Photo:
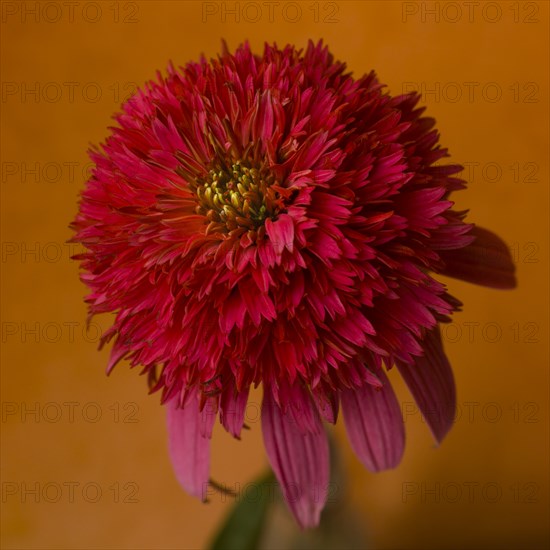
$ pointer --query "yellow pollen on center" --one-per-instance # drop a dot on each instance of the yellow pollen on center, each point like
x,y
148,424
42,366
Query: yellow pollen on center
x,y
240,196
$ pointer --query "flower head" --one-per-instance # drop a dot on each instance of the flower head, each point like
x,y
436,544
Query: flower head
x,y
272,220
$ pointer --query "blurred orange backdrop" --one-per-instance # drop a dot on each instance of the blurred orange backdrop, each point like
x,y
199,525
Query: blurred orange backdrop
x,y
84,460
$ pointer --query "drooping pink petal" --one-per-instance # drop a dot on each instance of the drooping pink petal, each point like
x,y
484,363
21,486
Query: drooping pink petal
x,y
486,261
299,460
431,382
374,424
189,449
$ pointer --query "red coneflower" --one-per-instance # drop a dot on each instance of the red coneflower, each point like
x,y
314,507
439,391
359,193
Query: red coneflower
x,y
270,219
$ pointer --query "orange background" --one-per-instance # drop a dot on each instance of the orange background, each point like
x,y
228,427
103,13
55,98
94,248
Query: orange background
x,y
499,444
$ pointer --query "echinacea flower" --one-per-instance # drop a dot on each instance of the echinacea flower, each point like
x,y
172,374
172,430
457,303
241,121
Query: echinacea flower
x,y
272,220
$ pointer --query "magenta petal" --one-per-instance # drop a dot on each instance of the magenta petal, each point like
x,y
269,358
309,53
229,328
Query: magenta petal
x,y
232,410
327,404
281,233
431,382
299,460
486,261
118,351
301,410
189,450
374,424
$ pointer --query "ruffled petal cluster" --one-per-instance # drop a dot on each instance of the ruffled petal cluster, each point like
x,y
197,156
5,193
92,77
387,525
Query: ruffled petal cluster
x,y
272,220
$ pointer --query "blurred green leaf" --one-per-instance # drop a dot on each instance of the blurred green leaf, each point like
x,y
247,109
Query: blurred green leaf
x,y
243,527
